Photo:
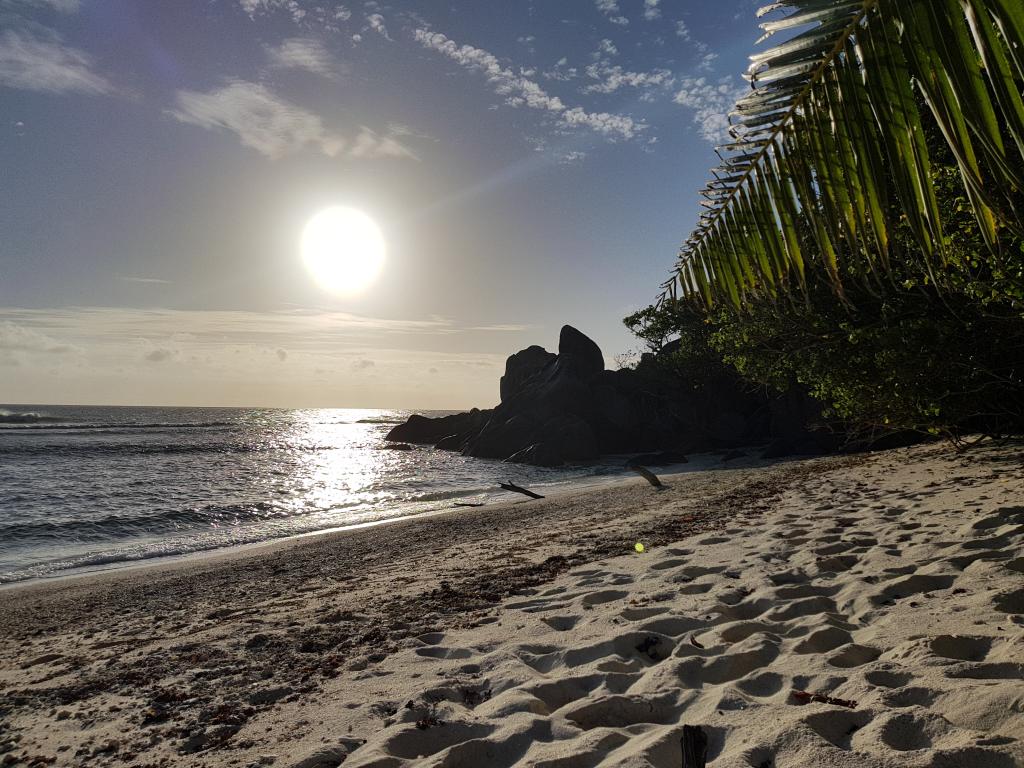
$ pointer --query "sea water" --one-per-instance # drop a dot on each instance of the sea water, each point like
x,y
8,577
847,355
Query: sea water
x,y
83,488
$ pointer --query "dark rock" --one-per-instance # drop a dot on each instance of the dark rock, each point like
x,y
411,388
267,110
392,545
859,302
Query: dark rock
x,y
421,429
453,442
539,455
580,351
521,367
563,408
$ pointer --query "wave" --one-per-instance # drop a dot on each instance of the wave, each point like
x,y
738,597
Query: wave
x,y
381,420
55,423
106,528
28,417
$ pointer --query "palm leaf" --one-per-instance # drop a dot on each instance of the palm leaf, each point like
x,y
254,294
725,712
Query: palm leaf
x,y
833,123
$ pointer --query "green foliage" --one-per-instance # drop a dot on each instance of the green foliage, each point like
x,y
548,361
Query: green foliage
x,y
900,352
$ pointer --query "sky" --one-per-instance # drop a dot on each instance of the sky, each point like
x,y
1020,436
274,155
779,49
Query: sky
x,y
530,163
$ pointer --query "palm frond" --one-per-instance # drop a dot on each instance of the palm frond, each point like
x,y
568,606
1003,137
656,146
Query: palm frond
x,y
831,140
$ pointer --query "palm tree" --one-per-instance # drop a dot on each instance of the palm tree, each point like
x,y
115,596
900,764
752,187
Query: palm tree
x,y
829,155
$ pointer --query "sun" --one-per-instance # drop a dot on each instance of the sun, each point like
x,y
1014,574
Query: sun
x,y
343,249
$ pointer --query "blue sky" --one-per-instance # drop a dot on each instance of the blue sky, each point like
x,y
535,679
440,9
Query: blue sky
x,y
529,163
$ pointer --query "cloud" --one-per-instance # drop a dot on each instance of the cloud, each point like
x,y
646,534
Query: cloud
x,y
376,23
501,327
651,10
33,64
607,47
143,280
292,7
159,355
273,126
303,53
686,35
614,77
610,8
521,91
61,6
561,71
20,338
197,357
572,157
711,102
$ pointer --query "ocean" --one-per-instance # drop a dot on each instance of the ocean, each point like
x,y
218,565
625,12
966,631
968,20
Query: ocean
x,y
87,488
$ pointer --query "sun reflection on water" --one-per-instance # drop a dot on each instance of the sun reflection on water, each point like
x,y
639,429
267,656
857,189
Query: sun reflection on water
x,y
337,468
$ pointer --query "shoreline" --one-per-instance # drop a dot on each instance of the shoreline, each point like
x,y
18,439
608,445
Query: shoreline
x,y
584,484
514,625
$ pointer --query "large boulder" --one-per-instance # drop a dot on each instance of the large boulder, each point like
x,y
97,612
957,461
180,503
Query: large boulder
x,y
423,429
579,352
521,367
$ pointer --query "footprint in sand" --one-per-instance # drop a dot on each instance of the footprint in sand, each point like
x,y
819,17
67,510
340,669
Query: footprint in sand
x,y
1009,602
961,647
561,623
604,596
854,655
639,614
887,678
837,727
762,684
910,697
1007,670
624,711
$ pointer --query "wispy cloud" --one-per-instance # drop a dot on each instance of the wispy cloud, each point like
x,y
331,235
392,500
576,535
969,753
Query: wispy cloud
x,y
612,77
15,337
651,10
519,90
501,328
610,8
32,63
143,280
288,358
32,328
303,53
61,6
274,127
711,102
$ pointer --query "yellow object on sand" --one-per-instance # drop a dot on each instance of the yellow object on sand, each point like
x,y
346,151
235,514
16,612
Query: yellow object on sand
x,y
638,547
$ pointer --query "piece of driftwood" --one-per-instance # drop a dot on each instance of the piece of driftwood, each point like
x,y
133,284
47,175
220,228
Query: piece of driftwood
x,y
517,489
695,747
647,475
468,504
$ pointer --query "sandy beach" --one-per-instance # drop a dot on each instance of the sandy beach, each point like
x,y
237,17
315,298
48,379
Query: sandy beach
x,y
890,585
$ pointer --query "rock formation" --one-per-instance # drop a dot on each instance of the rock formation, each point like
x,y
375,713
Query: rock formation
x,y
563,408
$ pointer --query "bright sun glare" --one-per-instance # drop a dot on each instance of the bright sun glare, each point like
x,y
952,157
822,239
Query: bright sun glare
x,y
343,249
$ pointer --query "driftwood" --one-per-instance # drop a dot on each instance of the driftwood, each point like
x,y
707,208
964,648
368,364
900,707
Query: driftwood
x,y
695,747
517,489
647,475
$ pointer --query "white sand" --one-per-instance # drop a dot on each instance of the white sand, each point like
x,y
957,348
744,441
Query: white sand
x,y
896,583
